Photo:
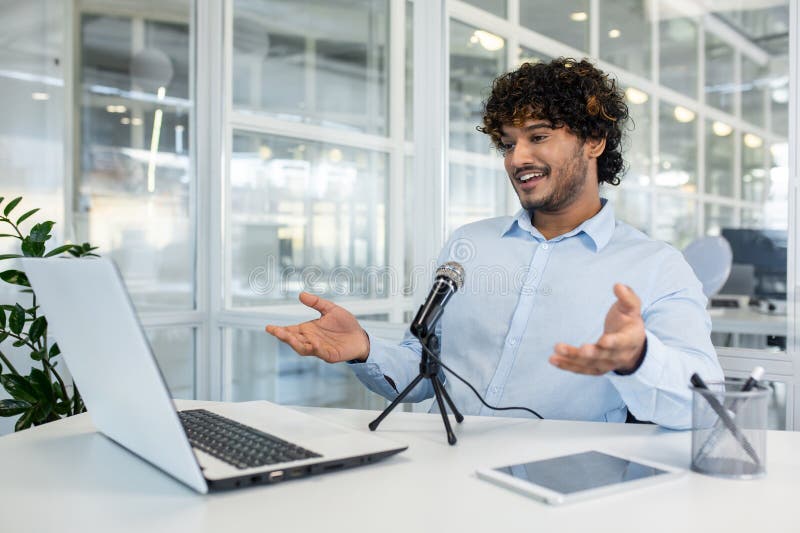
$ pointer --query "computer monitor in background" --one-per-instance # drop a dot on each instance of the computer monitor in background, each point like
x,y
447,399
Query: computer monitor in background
x,y
764,250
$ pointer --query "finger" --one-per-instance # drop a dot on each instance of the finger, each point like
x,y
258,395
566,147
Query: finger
x,y
575,366
565,349
299,345
629,302
315,302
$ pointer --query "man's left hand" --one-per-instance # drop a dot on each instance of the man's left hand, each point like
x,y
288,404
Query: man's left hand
x,y
619,348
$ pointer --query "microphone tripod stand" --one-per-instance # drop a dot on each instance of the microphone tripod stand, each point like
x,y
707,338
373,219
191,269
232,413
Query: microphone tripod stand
x,y
428,369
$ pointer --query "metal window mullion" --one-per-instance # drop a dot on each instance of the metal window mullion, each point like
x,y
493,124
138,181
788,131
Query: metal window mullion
x,y
655,157
700,128
209,145
71,60
396,186
431,75
793,295
594,28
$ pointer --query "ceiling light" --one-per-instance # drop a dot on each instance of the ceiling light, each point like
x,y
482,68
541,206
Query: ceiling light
x,y
751,140
136,122
264,152
615,33
125,120
40,96
335,155
682,114
721,129
162,92
635,96
489,41
578,16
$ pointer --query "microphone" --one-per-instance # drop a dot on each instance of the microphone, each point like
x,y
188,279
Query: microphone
x,y
449,278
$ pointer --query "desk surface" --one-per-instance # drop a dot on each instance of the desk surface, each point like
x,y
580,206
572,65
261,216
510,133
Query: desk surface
x,y
747,321
65,477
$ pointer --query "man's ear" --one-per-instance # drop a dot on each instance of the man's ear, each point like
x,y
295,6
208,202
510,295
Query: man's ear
x,y
595,147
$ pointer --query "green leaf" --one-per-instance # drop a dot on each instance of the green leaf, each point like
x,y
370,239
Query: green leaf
x,y
38,327
9,256
25,420
2,319
1,199
25,217
31,248
13,407
3,335
15,277
37,355
54,350
62,408
43,386
20,342
59,250
17,319
11,205
19,388
41,231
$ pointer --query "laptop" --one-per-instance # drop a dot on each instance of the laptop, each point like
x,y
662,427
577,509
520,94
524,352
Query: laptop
x,y
217,447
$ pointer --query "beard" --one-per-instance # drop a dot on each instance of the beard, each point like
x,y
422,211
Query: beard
x,y
568,183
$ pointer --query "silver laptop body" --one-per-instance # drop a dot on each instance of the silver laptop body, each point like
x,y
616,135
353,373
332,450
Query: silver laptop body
x,y
93,320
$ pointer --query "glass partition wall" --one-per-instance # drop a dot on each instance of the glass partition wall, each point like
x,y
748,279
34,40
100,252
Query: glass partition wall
x,y
301,173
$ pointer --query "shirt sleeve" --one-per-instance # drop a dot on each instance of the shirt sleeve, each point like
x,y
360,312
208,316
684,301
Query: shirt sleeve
x,y
678,330
398,363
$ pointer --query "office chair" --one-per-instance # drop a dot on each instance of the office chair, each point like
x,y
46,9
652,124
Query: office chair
x,y
711,259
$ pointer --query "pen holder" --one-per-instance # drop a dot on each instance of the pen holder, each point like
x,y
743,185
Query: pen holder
x,y
731,444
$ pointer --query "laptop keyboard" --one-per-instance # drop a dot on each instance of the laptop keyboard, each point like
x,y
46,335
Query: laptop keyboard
x,y
237,444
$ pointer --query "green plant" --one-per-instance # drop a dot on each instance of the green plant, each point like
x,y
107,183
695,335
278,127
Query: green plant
x,y
41,396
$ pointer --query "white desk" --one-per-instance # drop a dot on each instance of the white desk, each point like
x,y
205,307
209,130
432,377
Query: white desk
x,y
747,321
64,477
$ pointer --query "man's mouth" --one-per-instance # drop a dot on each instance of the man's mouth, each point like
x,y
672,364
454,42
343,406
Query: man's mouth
x,y
529,179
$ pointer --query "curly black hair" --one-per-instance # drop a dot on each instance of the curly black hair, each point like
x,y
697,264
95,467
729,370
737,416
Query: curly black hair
x,y
565,92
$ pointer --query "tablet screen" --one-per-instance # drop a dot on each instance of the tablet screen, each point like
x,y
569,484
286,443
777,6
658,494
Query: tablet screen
x,y
582,471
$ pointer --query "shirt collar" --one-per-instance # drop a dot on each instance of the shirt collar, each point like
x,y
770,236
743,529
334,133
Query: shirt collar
x,y
599,228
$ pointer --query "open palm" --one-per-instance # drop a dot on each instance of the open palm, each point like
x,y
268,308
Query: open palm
x,y
333,337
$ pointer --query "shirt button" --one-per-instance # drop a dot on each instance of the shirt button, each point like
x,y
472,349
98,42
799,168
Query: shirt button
x,y
545,246
495,390
512,342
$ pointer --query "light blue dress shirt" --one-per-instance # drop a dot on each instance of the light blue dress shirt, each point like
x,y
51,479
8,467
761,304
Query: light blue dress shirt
x,y
523,293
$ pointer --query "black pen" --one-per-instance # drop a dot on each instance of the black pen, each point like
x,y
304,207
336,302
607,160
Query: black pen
x,y
755,377
723,415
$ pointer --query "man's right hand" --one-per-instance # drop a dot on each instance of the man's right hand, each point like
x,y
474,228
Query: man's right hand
x,y
334,337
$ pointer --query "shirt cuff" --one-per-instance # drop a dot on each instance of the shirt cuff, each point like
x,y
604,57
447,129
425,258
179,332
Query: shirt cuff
x,y
651,366
372,370
639,361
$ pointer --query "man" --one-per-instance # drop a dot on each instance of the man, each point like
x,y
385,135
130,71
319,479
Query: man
x,y
538,339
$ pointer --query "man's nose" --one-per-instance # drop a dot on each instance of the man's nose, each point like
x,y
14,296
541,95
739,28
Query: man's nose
x,y
523,155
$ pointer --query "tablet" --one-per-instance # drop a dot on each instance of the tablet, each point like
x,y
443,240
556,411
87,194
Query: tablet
x,y
578,476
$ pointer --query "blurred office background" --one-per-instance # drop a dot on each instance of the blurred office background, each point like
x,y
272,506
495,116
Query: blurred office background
x,y
227,154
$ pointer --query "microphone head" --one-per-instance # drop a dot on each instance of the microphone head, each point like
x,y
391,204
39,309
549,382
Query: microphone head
x,y
452,271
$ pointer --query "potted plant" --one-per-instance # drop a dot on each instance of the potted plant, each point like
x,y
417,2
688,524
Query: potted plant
x,y
40,396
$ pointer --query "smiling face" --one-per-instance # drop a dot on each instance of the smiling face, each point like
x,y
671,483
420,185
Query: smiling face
x,y
550,168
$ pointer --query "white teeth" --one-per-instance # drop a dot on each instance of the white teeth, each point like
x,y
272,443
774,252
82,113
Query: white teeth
x,y
526,177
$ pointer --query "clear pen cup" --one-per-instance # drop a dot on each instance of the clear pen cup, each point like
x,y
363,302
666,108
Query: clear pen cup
x,y
734,448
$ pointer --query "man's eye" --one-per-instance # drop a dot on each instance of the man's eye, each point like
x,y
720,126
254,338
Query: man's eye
x,y
505,147
538,138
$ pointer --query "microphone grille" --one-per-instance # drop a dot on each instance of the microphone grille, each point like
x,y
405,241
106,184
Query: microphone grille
x,y
452,271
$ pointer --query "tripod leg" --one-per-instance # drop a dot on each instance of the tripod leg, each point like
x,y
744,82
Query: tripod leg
x,y
437,391
453,409
374,424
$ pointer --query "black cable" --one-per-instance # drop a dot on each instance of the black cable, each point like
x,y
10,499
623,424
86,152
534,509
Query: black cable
x,y
467,383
